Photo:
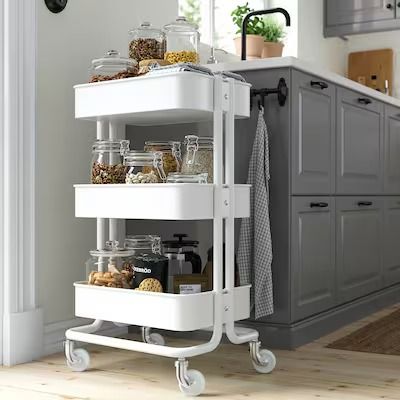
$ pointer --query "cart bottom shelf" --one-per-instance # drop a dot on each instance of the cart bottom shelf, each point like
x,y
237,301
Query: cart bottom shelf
x,y
176,312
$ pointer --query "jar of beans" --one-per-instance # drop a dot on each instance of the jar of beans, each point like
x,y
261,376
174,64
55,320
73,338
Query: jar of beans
x,y
146,43
107,161
182,42
199,156
144,167
171,154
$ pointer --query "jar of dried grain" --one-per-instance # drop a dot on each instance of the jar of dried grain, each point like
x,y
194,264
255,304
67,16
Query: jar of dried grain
x,y
171,154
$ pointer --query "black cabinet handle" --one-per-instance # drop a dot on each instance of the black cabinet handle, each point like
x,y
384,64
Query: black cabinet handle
x,y
319,205
364,100
319,84
389,6
398,4
364,203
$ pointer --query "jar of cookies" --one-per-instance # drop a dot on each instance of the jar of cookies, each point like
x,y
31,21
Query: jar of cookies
x,y
171,154
144,167
182,42
107,267
107,161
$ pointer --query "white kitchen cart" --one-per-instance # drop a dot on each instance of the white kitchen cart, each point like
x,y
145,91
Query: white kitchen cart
x,y
154,100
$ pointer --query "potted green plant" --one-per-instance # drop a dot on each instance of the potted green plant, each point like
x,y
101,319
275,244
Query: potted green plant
x,y
254,38
273,33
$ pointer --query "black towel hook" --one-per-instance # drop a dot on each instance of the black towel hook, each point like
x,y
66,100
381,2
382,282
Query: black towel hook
x,y
281,90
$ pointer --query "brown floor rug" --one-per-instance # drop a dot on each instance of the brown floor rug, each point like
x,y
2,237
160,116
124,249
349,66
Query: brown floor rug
x,y
381,337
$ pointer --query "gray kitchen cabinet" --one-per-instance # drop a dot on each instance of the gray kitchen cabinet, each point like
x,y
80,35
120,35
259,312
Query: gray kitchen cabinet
x,y
391,240
359,152
313,135
346,17
312,255
392,150
358,246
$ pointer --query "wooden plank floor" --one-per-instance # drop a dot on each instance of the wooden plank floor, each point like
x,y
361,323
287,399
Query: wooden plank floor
x,y
310,372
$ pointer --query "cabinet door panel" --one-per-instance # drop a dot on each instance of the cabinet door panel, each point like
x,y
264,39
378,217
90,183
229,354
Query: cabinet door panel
x,y
359,144
340,12
313,135
392,150
391,240
313,255
359,246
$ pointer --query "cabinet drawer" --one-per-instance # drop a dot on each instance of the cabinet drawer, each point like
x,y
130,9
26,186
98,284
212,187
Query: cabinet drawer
x,y
358,246
312,255
313,135
359,151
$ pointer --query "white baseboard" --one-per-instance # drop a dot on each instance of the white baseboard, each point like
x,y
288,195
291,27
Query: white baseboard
x,y
54,334
23,337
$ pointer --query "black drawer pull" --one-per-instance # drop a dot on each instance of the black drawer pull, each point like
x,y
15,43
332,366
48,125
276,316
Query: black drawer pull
x,y
364,100
320,205
364,203
389,6
319,84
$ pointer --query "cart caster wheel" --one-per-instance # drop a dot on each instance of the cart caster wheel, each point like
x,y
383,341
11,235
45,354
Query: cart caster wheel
x,y
197,383
80,360
267,362
156,338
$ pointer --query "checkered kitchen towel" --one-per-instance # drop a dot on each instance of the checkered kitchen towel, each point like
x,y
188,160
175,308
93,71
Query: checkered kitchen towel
x,y
254,255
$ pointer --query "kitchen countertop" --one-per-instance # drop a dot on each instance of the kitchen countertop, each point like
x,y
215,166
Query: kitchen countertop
x,y
293,62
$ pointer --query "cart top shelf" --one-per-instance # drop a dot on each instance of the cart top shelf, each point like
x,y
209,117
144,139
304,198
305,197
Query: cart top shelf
x,y
155,100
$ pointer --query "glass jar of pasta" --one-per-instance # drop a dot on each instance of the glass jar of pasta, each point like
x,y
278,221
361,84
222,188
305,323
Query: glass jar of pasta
x,y
144,167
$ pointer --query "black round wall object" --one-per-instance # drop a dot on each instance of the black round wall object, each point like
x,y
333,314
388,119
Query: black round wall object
x,y
56,6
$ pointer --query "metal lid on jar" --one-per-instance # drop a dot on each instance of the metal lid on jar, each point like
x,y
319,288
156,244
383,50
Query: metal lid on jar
x,y
146,30
187,178
112,249
113,146
144,242
113,60
181,24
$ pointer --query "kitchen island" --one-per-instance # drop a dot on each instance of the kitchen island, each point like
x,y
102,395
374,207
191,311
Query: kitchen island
x,y
334,201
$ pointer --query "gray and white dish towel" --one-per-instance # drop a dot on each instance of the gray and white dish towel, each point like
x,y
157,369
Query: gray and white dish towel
x,y
254,256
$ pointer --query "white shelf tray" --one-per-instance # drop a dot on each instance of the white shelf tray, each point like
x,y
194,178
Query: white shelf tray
x,y
153,100
165,201
177,312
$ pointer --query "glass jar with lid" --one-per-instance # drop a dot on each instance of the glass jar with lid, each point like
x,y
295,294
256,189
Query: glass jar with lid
x,y
182,41
144,167
199,156
143,244
107,161
112,66
146,43
187,178
107,267
171,154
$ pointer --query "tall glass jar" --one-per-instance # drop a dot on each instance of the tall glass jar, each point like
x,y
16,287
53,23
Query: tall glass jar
x,y
107,267
146,43
171,154
107,161
112,66
182,42
144,167
199,156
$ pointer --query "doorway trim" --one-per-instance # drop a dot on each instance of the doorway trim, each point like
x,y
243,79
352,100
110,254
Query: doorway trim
x,y
21,336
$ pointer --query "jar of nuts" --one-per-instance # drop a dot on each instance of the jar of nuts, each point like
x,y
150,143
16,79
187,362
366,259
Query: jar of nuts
x,y
112,67
107,267
146,42
107,161
199,156
171,154
144,167
182,42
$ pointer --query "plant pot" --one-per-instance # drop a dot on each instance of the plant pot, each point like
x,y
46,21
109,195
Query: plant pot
x,y
272,49
254,46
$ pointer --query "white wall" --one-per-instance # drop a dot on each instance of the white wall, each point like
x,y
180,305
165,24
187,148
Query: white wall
x,y
379,40
67,43
312,46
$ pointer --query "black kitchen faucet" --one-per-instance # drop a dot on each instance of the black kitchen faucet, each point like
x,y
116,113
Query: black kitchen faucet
x,y
260,12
